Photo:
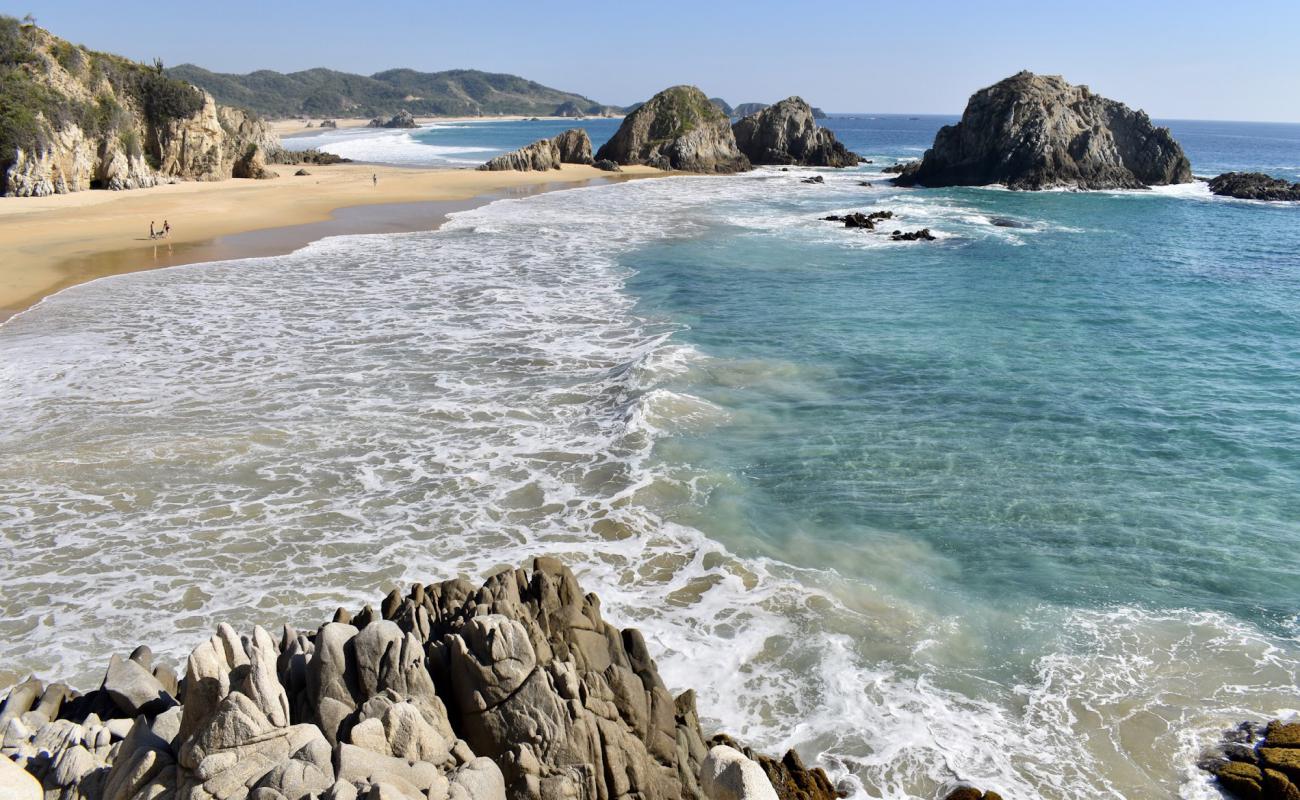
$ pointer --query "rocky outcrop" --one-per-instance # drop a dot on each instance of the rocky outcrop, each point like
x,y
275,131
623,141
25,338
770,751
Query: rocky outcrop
x,y
1037,132
857,219
571,147
1254,186
98,121
1258,762
328,123
677,129
568,109
402,119
513,689
786,133
722,105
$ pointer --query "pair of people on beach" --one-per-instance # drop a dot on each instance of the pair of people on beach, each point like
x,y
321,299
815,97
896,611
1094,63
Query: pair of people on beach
x,y
159,233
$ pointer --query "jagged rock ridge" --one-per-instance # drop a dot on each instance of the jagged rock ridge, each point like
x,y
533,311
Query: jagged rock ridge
x,y
786,133
1037,132
570,147
517,688
677,129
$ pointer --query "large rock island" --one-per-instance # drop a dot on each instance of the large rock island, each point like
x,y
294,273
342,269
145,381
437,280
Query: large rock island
x,y
786,133
677,129
1039,132
513,689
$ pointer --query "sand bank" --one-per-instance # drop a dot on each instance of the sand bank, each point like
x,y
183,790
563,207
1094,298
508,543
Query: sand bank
x,y
50,243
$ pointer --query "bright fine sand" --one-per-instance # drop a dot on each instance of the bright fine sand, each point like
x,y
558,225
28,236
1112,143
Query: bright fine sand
x,y
51,243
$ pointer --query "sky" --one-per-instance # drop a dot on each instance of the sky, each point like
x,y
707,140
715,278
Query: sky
x,y
1177,60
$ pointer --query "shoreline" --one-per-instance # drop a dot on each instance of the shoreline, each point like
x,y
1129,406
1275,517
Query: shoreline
x,y
61,241
289,128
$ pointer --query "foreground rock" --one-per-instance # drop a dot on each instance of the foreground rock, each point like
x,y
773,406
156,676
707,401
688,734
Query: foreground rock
x,y
402,119
1254,186
857,219
1038,132
1258,762
571,147
677,129
513,689
787,133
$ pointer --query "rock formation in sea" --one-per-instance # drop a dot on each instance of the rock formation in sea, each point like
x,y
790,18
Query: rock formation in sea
x,y
513,689
677,129
786,133
1258,762
402,119
1038,132
1254,186
76,119
568,109
571,147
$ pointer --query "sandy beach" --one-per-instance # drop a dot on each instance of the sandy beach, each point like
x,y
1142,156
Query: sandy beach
x,y
297,127
55,242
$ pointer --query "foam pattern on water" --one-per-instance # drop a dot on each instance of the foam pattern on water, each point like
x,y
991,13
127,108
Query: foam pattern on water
x,y
262,440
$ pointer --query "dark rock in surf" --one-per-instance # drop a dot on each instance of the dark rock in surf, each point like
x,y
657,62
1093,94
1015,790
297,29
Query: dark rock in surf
x,y
402,119
922,235
814,179
1037,132
857,219
787,133
1254,186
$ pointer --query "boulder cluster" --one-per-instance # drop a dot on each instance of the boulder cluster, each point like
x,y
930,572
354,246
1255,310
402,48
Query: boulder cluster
x,y
571,147
1258,762
1254,186
682,129
1037,132
402,119
513,689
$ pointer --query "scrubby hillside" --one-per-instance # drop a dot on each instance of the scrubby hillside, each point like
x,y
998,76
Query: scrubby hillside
x,y
74,119
324,92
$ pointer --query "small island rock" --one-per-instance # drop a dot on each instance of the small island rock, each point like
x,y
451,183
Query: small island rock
x,y
1038,132
787,133
677,129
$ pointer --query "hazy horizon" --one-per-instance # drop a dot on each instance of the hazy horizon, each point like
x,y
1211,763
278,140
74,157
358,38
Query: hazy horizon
x,y
1176,61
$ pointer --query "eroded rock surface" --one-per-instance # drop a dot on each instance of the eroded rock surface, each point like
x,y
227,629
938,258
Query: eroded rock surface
x,y
571,147
1037,132
677,129
1254,186
787,133
514,689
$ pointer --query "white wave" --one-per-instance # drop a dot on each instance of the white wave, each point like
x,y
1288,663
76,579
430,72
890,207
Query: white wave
x,y
261,440
384,146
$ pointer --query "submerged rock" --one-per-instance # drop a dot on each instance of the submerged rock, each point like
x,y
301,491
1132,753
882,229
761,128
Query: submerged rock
x,y
677,129
1254,186
571,147
857,219
1037,132
922,235
787,133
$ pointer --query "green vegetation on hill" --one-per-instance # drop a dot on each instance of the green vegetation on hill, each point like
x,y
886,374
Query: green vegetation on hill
x,y
48,84
327,93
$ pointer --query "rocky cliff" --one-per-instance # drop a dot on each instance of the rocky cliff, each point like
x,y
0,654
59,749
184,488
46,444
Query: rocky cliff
x,y
73,119
571,147
786,133
1037,132
514,689
677,129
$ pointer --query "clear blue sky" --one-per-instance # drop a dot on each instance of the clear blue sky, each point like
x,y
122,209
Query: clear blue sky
x,y
1187,59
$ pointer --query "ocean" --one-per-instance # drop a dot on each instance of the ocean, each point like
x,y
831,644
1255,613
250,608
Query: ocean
x,y
1018,507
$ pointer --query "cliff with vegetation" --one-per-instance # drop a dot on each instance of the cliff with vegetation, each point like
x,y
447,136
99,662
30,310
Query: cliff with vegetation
x,y
73,119
677,129
329,93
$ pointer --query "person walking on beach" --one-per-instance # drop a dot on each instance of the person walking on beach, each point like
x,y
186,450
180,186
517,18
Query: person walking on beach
x,y
167,229
152,233
375,178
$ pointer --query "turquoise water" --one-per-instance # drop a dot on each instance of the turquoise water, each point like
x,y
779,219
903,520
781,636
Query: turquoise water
x,y
1016,507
